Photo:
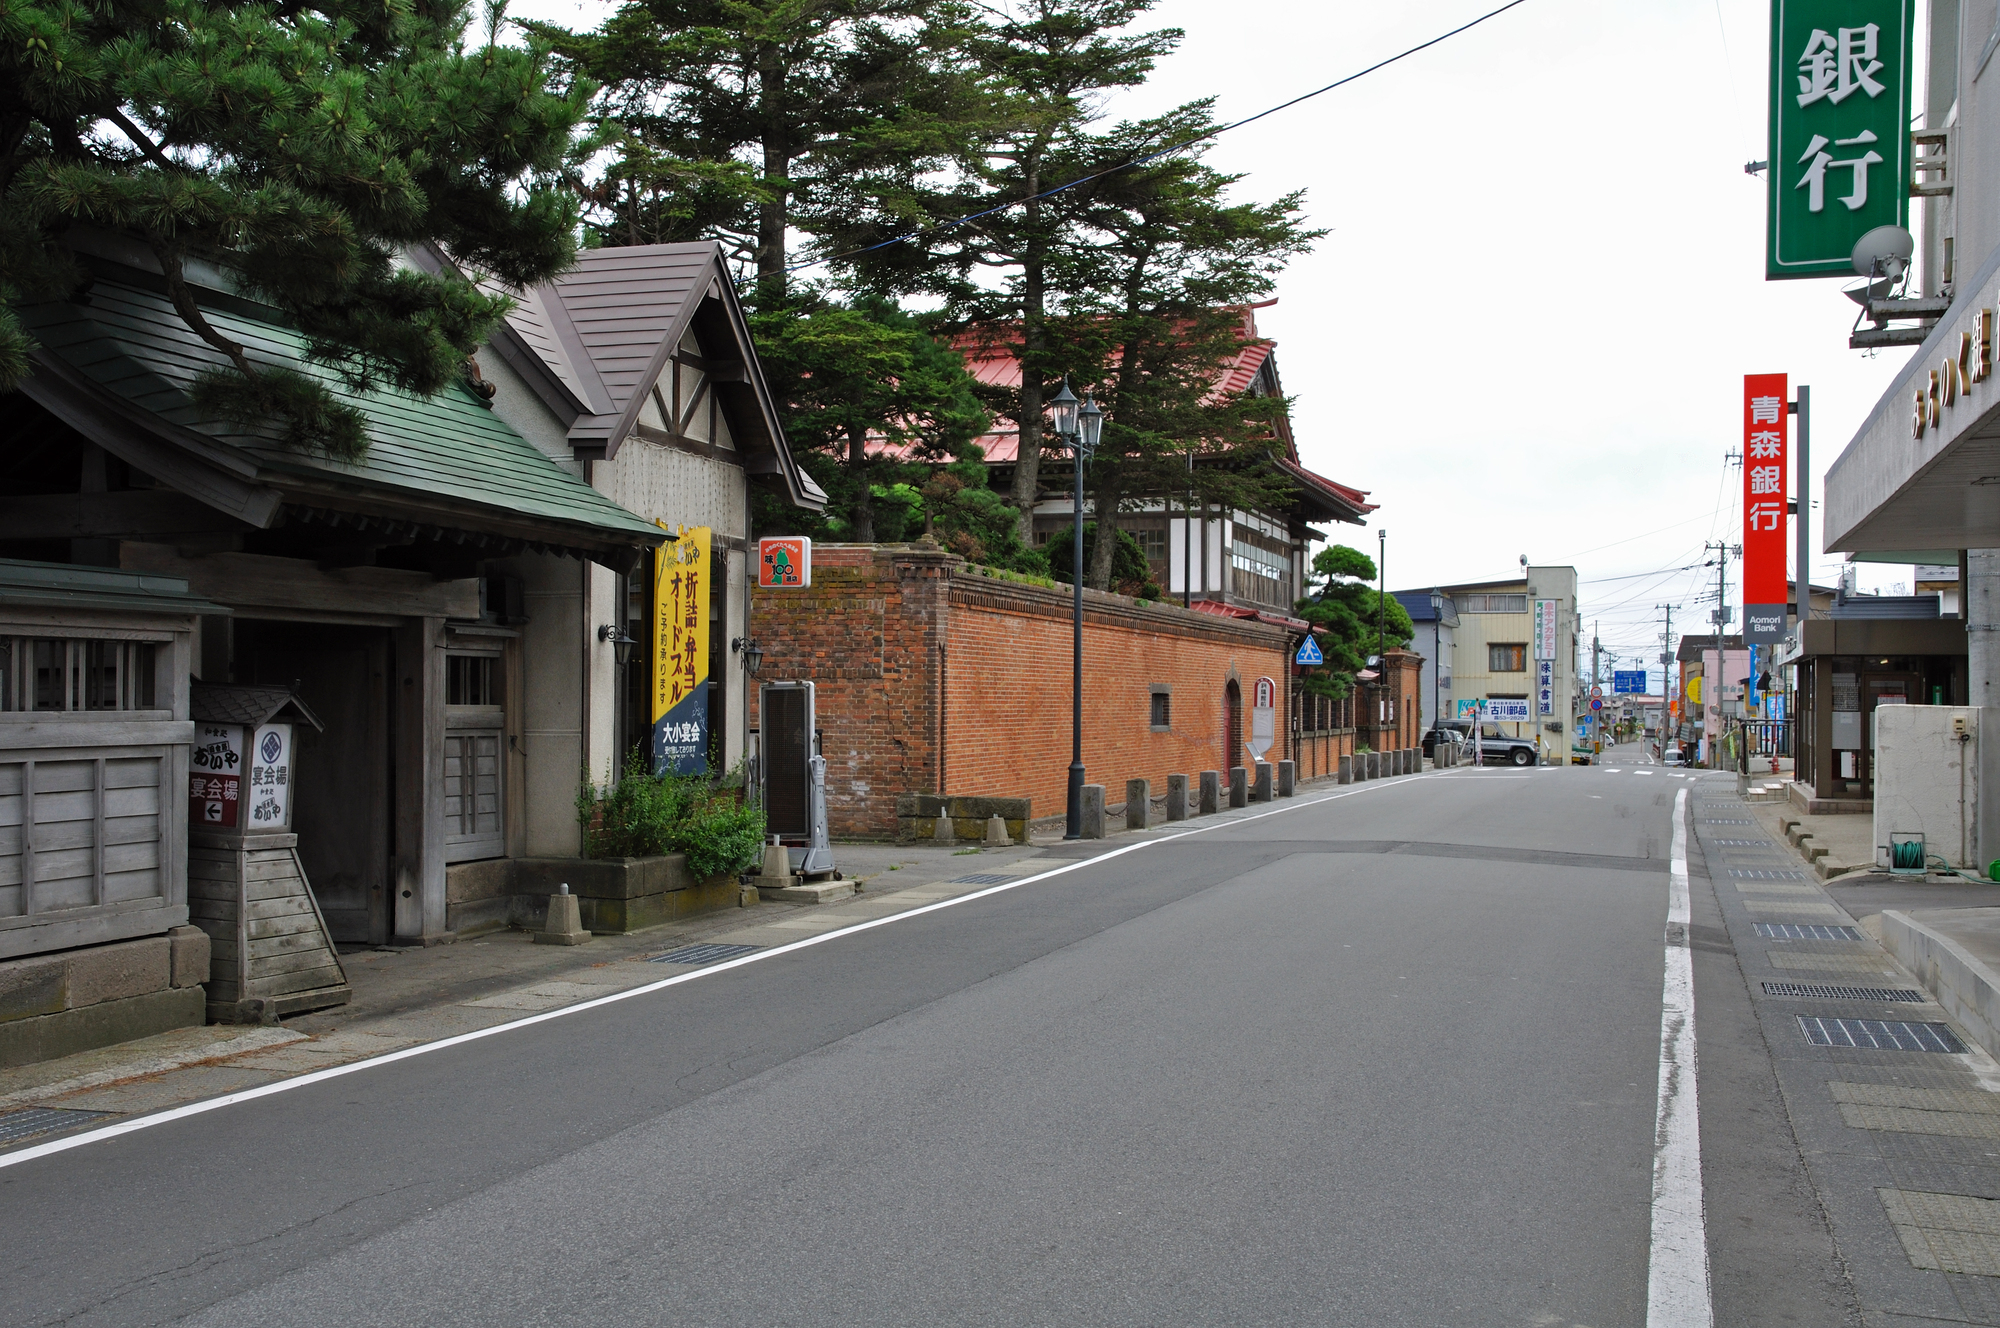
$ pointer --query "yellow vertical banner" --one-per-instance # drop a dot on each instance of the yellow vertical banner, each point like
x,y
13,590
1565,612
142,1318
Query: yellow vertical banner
x,y
681,594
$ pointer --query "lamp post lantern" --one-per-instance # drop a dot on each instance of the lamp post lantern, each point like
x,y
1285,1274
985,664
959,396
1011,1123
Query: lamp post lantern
x,y
1079,424
1437,659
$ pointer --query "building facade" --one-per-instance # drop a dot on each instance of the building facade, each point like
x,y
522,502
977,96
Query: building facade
x,y
1496,656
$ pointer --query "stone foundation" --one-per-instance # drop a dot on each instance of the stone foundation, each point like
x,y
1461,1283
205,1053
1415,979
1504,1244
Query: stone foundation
x,y
76,1000
614,894
917,815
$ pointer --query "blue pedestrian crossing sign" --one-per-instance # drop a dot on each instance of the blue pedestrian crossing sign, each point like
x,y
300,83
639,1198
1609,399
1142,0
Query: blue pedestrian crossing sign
x,y
1309,653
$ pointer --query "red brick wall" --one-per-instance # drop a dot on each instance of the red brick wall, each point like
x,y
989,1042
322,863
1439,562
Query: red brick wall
x,y
1008,718
867,633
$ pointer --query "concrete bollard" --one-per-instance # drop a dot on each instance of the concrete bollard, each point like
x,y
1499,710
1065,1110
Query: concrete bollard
x,y
942,831
1211,792
1346,772
1288,778
1138,804
1177,797
777,864
1093,811
1403,761
1370,764
564,925
1239,786
996,831
1260,788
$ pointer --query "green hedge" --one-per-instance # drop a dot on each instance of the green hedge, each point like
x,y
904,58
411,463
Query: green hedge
x,y
643,816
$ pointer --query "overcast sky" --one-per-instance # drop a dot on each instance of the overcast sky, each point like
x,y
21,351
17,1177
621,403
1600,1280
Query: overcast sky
x,y
1527,331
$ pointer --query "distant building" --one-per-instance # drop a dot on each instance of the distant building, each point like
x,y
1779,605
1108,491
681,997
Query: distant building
x,y
1494,654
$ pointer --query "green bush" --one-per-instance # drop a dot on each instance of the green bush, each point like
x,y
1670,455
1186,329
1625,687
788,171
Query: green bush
x,y
643,816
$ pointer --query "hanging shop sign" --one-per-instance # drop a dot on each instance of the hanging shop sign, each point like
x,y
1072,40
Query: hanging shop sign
x,y
784,562
1545,687
1545,628
681,593
1839,131
1765,424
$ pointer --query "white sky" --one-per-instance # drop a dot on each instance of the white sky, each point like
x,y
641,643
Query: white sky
x,y
1527,331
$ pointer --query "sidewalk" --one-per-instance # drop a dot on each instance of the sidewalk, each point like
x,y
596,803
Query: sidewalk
x,y
404,997
1831,845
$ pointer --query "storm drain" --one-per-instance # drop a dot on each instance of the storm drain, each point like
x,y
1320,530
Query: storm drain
x,y
703,954
16,1126
1843,993
1724,820
1765,874
1880,1034
983,878
1805,931
1743,843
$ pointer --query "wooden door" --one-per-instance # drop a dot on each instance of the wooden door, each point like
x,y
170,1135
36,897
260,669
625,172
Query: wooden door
x,y
1232,726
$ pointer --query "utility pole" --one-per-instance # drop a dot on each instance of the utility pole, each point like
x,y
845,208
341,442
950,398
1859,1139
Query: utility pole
x,y
1722,552
1667,697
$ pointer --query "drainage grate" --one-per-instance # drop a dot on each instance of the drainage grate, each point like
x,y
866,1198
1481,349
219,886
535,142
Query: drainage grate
x,y
1880,1034
1765,874
16,1126
1843,993
1744,843
703,954
983,878
1805,931
1724,820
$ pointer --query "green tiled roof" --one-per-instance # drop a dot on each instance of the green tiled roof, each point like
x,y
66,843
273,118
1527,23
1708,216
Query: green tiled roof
x,y
129,340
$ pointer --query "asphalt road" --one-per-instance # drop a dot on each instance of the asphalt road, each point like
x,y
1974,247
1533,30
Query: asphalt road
x,y
1384,1059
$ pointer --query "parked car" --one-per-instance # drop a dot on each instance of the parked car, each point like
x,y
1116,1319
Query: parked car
x,y
1495,746
1452,734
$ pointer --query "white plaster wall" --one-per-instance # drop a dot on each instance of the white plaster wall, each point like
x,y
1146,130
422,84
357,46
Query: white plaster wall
x,y
600,671
1926,781
552,655
515,403
663,483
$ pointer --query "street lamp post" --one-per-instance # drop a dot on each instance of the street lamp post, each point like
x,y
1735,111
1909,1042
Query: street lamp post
x,y
1079,425
1437,658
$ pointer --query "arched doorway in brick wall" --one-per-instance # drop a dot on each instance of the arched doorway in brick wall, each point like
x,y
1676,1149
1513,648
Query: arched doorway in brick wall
x,y
1232,726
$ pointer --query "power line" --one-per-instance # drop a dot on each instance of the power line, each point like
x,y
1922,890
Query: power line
x,y
935,227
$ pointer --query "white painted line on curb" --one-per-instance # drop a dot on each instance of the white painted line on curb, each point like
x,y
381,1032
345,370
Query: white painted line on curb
x,y
355,1067
1677,1294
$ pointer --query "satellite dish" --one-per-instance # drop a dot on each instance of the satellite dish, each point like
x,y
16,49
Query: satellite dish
x,y
1885,251
1872,288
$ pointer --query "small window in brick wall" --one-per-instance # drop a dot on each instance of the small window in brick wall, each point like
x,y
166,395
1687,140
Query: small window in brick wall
x,y
1162,711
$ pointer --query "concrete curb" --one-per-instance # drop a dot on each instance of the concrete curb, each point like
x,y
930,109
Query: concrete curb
x,y
1967,989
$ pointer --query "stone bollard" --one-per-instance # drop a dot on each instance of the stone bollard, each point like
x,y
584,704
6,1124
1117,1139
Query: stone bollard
x,y
1177,797
1093,811
1364,766
1346,773
996,831
1402,760
1288,778
777,864
1239,786
1211,793
1138,804
564,925
1260,788
942,831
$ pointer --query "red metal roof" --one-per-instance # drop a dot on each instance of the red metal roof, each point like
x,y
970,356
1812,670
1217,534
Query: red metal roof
x,y
992,356
1222,610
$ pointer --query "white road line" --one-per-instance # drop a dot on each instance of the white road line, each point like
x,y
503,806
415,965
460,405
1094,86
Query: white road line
x,y
1642,772
355,1067
1677,1294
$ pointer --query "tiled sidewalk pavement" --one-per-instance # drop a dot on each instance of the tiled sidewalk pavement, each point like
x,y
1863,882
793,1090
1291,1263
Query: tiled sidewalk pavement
x,y
408,996
1902,1146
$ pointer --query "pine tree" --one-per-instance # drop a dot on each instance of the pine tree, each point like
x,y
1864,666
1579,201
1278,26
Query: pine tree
x,y
299,148
1157,297
1041,65
1353,617
743,120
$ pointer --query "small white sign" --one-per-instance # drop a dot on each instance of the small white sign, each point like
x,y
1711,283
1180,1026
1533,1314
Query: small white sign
x,y
269,796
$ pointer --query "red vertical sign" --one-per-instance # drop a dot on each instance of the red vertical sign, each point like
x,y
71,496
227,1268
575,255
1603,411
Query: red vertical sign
x,y
1766,424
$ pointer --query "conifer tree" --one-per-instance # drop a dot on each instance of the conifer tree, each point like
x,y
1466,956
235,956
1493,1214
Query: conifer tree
x,y
298,147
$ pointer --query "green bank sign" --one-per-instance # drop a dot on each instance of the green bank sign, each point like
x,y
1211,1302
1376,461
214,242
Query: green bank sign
x,y
1840,130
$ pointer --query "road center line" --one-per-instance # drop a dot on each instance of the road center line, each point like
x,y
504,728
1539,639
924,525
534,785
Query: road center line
x,y
355,1067
1677,1293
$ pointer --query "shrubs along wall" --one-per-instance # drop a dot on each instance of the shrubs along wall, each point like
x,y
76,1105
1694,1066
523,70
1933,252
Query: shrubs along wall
x,y
934,678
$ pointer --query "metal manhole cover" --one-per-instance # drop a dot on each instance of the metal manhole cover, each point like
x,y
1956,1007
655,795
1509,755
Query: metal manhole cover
x,y
1821,989
703,954
1880,1034
1765,874
16,1126
1805,931
983,878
